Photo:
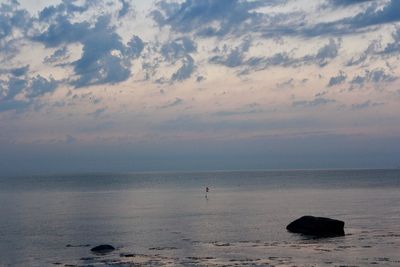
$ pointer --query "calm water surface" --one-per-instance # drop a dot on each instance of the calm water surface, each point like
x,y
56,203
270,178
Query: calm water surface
x,y
165,219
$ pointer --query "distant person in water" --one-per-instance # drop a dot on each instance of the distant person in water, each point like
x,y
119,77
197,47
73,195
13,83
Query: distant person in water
x,y
207,190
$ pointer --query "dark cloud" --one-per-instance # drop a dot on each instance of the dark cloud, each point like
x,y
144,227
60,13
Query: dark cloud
x,y
18,89
327,52
58,55
21,71
286,84
105,59
340,78
178,49
323,56
220,18
372,49
135,47
185,71
375,76
394,46
365,105
40,86
13,19
65,8
210,17
377,50
125,7
61,31
32,87
200,78
14,87
252,108
12,104
175,52
347,2
313,103
98,112
233,57
97,64
170,104
375,15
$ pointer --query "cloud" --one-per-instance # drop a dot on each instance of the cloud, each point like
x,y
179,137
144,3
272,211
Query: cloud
x,y
233,57
286,84
340,78
365,105
178,101
327,52
65,8
69,139
14,87
13,105
14,22
376,49
125,7
252,108
200,78
98,64
98,112
61,31
172,53
18,89
394,46
135,47
376,13
210,18
375,76
178,49
323,56
20,71
40,86
58,55
347,2
313,103
11,18
105,58
185,71
372,49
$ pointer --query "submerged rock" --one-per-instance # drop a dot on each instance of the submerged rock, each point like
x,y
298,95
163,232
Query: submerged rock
x,y
102,249
317,226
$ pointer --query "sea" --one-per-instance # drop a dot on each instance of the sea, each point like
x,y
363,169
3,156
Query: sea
x,y
166,218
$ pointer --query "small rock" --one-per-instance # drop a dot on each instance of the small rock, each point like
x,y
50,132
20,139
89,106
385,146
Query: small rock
x,y
102,249
217,244
127,255
163,248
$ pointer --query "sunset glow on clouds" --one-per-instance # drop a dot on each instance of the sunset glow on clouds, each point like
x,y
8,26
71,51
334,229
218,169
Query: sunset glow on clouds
x,y
286,83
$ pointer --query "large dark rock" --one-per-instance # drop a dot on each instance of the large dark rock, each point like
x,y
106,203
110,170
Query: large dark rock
x,y
102,249
317,226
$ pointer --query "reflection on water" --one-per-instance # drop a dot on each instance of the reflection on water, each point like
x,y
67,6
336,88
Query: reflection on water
x,y
165,219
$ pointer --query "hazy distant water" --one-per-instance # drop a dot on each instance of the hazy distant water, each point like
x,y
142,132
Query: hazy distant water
x,y
167,214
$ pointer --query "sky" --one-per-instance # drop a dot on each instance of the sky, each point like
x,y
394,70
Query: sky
x,y
118,85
